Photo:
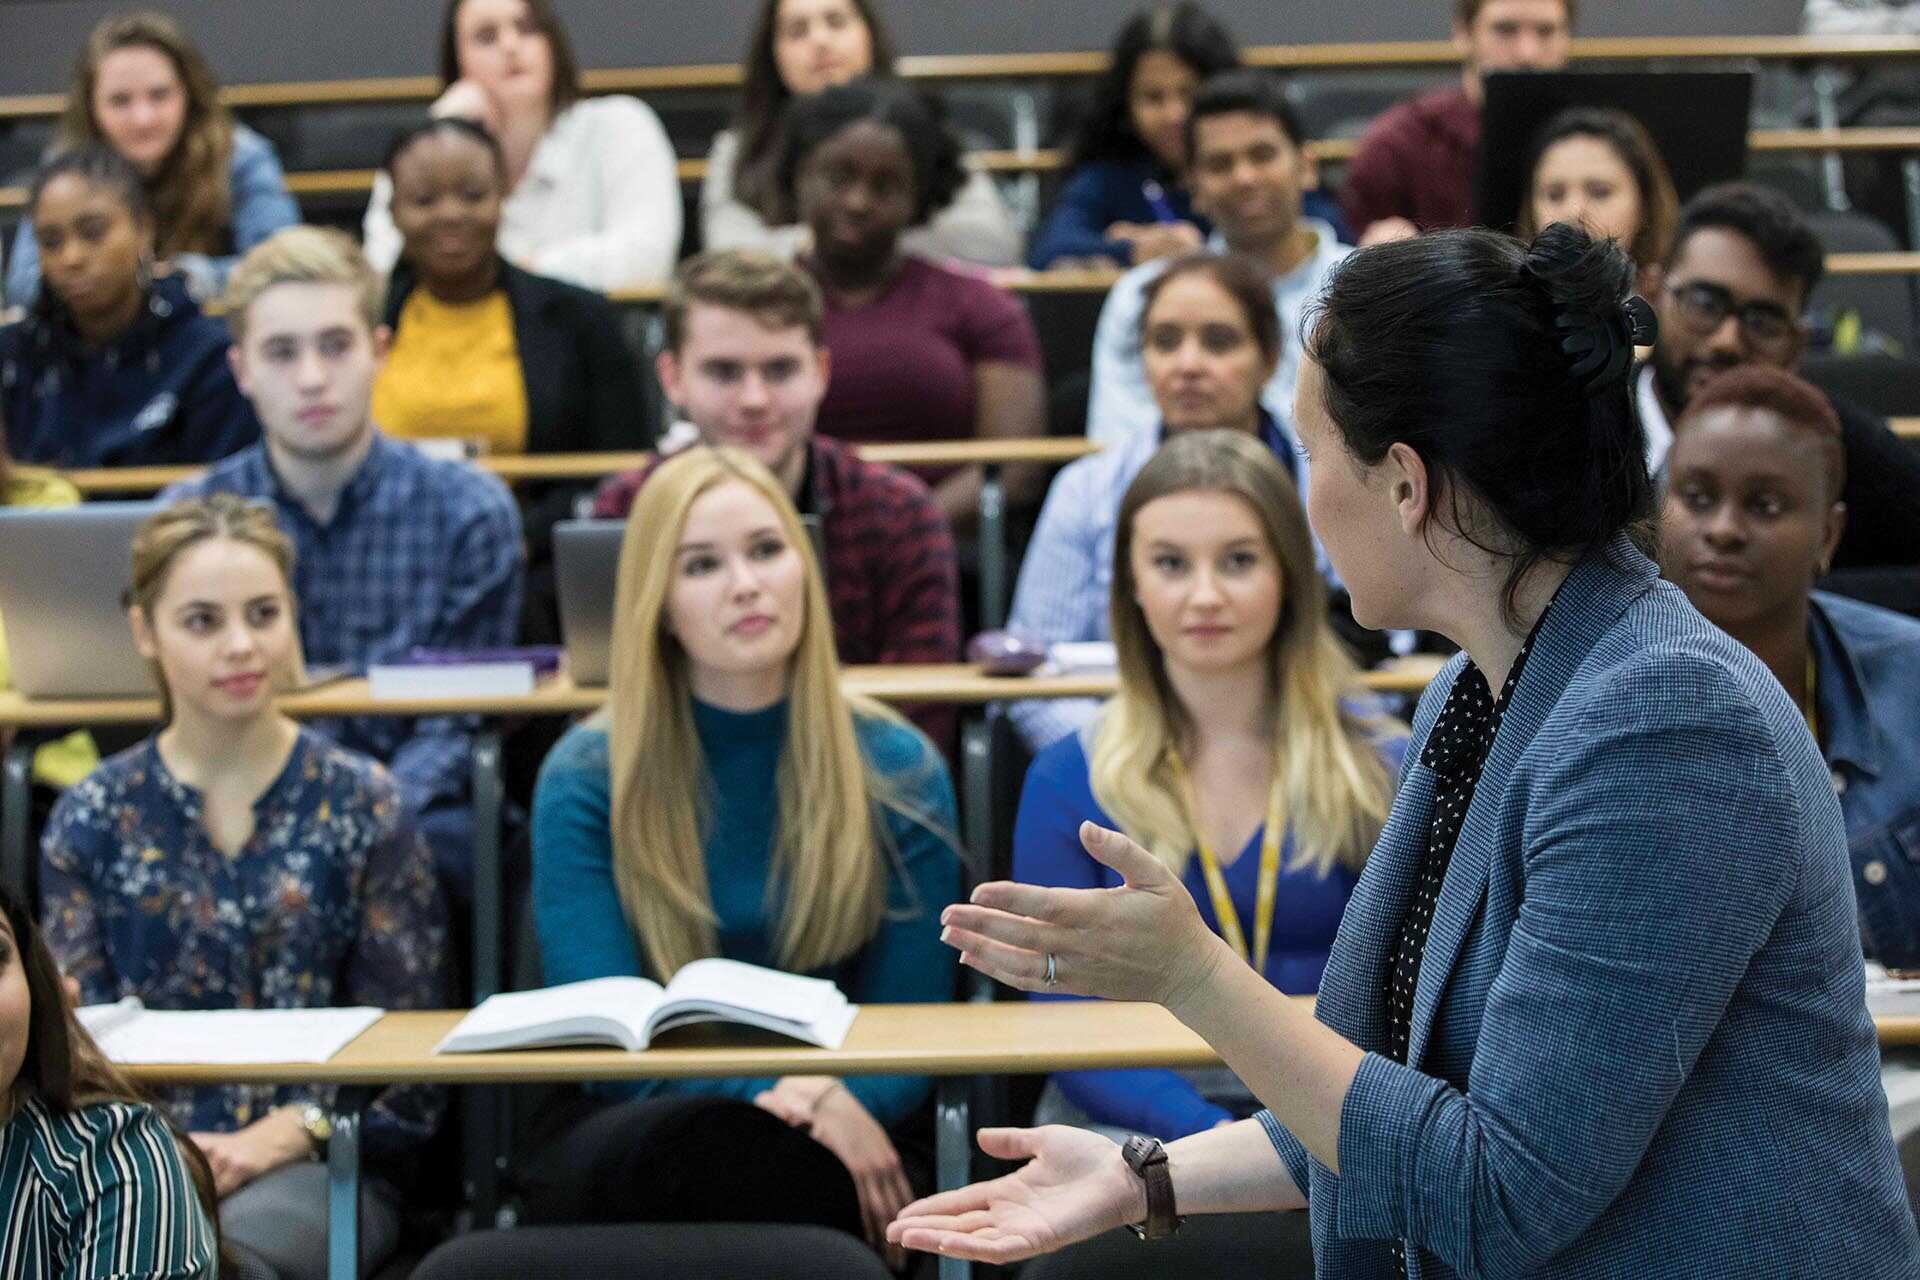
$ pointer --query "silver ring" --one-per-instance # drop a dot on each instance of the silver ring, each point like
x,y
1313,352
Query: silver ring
x,y
1052,979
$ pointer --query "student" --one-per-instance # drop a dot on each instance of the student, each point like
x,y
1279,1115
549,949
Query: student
x,y
1209,340
1733,292
744,364
1600,168
395,550
1248,170
1236,705
800,47
94,1180
112,367
1752,516
1125,197
143,90
919,352
483,351
1608,922
66,760
732,801
292,878
592,195
1413,171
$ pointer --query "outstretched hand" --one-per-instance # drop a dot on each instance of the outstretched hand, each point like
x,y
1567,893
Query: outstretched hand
x,y
1142,941
1074,1186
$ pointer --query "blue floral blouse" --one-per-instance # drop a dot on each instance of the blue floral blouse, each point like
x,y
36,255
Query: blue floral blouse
x,y
333,901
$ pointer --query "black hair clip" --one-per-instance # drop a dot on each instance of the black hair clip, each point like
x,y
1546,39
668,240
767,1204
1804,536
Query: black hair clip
x,y
1601,345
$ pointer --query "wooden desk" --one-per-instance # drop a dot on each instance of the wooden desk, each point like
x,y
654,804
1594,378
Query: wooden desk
x,y
1907,427
956,684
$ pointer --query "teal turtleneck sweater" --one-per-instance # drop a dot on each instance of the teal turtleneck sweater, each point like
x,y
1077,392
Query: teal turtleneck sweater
x,y
584,934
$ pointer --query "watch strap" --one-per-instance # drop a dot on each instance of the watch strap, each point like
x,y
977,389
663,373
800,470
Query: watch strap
x,y
1148,1160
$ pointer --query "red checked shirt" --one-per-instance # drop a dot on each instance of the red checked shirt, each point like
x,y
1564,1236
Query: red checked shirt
x,y
893,579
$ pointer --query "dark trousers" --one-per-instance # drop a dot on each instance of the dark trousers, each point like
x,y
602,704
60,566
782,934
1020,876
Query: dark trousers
x,y
1227,1246
691,1159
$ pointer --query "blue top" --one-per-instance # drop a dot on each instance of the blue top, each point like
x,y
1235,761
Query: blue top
x,y
332,901
1093,198
160,394
1057,798
1867,695
420,552
1643,972
584,933
260,207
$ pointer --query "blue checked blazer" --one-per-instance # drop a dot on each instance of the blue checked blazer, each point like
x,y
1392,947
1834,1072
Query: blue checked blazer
x,y
1640,1044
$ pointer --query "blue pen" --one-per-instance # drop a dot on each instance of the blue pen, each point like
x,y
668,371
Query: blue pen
x,y
1157,201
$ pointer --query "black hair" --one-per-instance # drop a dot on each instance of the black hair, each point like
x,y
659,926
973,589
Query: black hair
x,y
100,166
442,126
1245,91
1452,343
1185,30
919,118
1782,237
1241,278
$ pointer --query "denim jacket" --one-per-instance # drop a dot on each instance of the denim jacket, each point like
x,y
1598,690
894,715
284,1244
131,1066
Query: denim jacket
x,y
261,206
1867,695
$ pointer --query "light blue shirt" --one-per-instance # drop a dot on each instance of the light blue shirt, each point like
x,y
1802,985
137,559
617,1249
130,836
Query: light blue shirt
x,y
1120,405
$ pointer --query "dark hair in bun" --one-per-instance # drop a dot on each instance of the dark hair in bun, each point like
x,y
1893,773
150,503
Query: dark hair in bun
x,y
1500,364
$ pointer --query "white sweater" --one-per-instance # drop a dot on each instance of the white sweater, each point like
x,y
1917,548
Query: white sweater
x,y
599,204
977,227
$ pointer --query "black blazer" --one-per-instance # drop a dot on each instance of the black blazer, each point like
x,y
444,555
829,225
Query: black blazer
x,y
583,387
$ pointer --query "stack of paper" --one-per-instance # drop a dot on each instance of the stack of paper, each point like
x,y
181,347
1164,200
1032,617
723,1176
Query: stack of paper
x,y
133,1035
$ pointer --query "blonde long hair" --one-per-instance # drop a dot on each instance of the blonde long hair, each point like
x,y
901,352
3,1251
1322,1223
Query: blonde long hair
x,y
1335,789
191,193
830,853
167,534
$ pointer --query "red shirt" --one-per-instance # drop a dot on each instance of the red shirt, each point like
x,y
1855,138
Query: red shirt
x,y
1416,162
893,579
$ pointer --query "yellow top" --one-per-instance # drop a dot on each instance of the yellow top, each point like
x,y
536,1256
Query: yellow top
x,y
66,761
454,373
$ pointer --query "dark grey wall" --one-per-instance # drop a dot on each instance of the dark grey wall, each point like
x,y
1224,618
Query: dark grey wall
x,y
265,40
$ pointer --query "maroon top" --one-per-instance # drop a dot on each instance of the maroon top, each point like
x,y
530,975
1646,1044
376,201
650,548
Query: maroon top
x,y
903,365
1416,162
893,580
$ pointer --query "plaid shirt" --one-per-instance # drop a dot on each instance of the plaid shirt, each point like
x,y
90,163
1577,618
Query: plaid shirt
x,y
893,579
419,552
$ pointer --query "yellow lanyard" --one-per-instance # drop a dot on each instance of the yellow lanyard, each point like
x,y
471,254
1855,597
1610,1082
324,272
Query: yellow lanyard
x,y
1269,888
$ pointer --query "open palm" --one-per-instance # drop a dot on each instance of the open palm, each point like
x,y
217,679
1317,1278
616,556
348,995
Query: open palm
x,y
1073,1186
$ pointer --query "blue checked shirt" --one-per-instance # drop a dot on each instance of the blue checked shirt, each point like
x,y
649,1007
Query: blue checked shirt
x,y
420,551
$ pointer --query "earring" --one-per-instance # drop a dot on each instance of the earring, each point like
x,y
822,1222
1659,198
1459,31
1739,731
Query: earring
x,y
143,271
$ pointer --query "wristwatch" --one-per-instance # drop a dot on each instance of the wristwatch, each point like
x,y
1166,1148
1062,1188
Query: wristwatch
x,y
319,1128
1148,1160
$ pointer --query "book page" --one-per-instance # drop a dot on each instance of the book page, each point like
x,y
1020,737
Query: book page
x,y
99,1019
235,1037
505,1018
747,986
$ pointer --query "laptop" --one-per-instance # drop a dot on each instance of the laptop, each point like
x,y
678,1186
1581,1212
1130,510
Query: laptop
x,y
63,581
1698,120
586,567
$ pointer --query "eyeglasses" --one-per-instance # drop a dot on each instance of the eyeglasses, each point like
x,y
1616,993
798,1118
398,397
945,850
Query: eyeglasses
x,y
1705,307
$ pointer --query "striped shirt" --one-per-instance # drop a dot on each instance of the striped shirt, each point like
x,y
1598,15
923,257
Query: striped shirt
x,y
99,1193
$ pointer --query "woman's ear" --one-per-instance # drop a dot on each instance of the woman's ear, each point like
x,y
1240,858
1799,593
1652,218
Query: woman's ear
x,y
1409,485
143,638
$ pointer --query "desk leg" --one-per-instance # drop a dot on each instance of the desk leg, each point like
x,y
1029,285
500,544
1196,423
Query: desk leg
x,y
993,549
976,795
953,1152
343,1186
486,1114
16,819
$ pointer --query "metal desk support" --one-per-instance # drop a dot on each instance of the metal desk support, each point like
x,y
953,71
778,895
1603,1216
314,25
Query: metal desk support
x,y
993,548
16,818
953,1148
343,1185
487,1115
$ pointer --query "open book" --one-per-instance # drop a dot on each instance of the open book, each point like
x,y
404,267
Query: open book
x,y
628,1012
1893,994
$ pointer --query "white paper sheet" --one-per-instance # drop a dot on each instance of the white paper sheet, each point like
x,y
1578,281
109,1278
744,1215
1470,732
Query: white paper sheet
x,y
235,1037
